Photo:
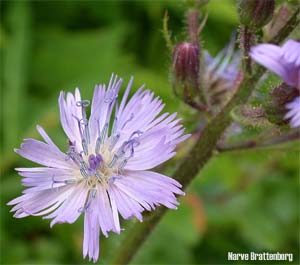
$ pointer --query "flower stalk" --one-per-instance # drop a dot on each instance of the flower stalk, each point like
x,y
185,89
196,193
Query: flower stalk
x,y
199,155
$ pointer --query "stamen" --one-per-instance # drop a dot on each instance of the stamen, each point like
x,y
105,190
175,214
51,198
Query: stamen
x,y
131,144
83,103
98,144
113,178
113,142
101,137
122,164
104,133
114,127
73,155
130,119
67,181
85,147
97,175
85,135
127,145
138,133
84,172
91,195
86,130
79,125
113,161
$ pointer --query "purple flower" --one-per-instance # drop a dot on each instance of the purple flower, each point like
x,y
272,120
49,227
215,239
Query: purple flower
x,y
284,61
106,170
294,112
220,73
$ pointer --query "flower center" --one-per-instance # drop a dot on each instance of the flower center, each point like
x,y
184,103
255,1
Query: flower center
x,y
103,162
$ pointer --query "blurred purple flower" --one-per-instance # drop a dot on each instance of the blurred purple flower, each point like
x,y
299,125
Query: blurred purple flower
x,y
285,62
294,112
105,171
220,73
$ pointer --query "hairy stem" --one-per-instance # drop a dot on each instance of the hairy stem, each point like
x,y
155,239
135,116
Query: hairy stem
x,y
188,169
195,160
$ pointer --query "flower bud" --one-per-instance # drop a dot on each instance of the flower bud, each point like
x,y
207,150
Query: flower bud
x,y
256,13
185,69
276,105
279,19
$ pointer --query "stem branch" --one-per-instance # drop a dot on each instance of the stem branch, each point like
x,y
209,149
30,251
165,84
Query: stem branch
x,y
254,143
197,157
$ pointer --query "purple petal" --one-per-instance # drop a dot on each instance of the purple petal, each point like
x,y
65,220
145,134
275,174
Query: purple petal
x,y
294,112
44,154
106,219
126,205
69,211
68,112
91,234
291,52
143,188
270,56
284,61
34,203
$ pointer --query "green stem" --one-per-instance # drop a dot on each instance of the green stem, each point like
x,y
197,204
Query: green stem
x,y
189,168
197,157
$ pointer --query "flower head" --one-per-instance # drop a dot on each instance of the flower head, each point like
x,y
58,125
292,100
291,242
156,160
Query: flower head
x,y
220,73
285,62
106,169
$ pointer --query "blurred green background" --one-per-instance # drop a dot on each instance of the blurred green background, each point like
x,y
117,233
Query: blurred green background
x,y
241,202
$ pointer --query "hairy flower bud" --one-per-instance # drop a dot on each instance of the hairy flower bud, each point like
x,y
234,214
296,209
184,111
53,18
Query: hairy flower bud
x,y
256,13
276,106
185,68
280,18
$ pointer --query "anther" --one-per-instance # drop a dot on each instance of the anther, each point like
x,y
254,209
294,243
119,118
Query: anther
x,y
83,103
97,175
98,144
101,137
122,164
130,119
114,126
113,178
86,129
85,147
138,133
67,181
113,161
79,125
113,142
91,195
104,132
